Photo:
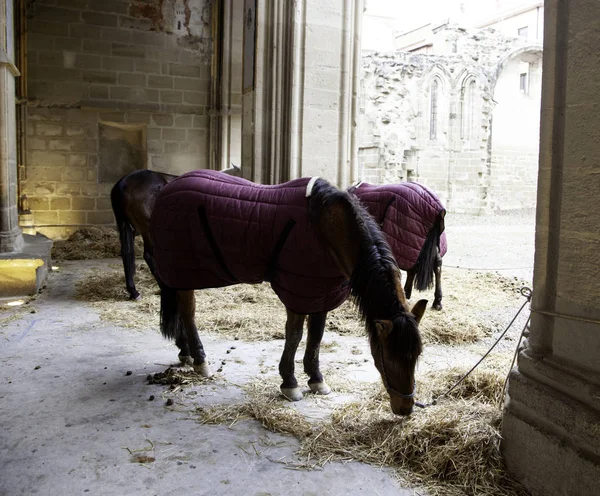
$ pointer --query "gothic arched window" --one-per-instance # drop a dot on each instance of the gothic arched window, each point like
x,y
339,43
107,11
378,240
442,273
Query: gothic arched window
x,y
433,109
467,110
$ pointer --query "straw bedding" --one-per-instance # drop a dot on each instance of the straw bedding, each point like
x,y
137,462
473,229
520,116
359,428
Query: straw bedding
x,y
450,448
473,306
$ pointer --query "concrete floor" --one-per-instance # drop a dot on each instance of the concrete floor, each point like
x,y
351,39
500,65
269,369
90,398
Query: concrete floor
x,y
71,416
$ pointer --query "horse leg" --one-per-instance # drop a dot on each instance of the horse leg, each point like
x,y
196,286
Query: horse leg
x,y
408,286
186,307
437,300
316,327
293,334
149,255
184,350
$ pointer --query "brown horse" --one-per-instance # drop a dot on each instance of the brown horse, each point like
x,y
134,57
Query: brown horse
x,y
134,195
133,198
412,218
210,231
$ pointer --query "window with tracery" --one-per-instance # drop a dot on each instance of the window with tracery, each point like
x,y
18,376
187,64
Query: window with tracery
x,y
467,110
434,105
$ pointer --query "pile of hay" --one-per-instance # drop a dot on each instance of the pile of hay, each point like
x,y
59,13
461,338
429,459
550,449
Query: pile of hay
x,y
91,243
450,448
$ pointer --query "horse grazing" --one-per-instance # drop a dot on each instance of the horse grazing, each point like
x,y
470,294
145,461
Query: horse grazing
x,y
313,243
132,198
412,218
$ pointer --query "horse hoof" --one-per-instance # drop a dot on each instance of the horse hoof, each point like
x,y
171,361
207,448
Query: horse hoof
x,y
436,306
320,388
186,360
292,394
135,297
203,369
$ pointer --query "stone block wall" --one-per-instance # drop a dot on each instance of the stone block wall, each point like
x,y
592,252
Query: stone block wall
x,y
121,63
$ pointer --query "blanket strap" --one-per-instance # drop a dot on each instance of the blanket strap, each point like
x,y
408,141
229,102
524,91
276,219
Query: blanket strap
x,y
213,244
272,266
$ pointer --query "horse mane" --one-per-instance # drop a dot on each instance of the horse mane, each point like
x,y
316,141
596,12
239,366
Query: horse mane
x,y
372,284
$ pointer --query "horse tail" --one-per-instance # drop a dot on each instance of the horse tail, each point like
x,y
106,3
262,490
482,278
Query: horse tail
x,y
126,232
428,257
171,324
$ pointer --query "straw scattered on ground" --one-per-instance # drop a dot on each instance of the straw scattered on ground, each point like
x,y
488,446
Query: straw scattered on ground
x,y
91,243
474,303
10,314
450,448
104,289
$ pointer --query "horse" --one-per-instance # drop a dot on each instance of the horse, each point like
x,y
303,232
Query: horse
x,y
410,215
132,199
412,218
315,244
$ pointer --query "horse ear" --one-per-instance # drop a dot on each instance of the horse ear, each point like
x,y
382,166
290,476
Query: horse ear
x,y
419,309
384,328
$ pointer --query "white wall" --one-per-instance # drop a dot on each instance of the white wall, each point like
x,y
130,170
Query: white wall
x,y
515,134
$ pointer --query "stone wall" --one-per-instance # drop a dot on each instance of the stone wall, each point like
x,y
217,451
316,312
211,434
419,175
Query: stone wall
x,y
399,143
142,65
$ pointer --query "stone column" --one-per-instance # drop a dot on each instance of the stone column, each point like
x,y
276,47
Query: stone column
x,y
551,426
300,108
11,239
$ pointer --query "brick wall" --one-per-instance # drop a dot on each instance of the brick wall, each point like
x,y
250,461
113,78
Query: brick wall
x,y
110,61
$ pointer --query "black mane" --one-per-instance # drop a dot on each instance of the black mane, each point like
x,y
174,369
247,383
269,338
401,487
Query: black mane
x,y
372,284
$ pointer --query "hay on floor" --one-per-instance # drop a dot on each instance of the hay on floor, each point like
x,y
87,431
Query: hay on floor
x,y
92,243
474,306
105,291
450,448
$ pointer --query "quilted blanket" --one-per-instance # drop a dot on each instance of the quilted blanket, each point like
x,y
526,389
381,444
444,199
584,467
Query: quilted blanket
x,y
211,230
406,213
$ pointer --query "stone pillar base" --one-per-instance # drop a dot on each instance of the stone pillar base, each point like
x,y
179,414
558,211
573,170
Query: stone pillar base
x,y
551,441
11,241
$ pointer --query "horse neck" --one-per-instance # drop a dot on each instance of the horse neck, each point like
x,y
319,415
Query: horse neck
x,y
378,292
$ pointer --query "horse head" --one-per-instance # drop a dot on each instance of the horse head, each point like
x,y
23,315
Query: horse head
x,y
396,346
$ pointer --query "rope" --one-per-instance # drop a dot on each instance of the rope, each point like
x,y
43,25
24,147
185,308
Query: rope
x,y
526,292
567,317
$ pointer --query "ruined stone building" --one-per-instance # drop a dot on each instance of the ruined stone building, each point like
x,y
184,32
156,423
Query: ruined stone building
x,y
458,112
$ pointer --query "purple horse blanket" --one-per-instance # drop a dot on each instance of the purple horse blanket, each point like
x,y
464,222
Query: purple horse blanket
x,y
211,230
406,213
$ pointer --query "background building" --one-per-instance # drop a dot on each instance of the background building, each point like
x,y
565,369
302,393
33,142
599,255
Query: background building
x,y
457,108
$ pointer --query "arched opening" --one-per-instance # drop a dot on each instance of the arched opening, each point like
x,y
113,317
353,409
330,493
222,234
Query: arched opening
x,y
467,110
434,95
